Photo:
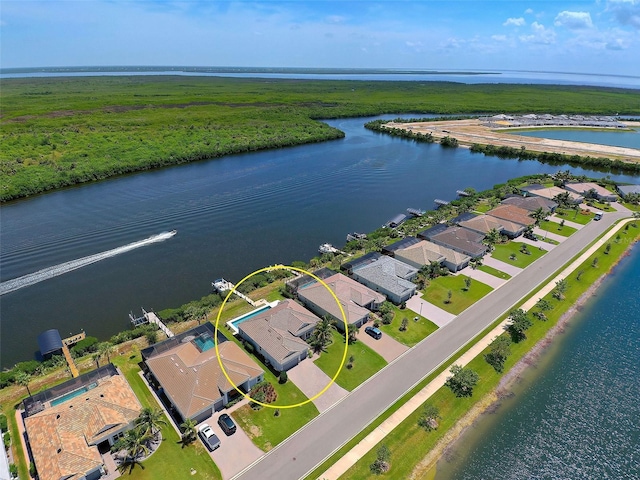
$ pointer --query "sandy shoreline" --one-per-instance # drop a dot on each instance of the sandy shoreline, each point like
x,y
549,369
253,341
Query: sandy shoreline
x,y
471,131
491,401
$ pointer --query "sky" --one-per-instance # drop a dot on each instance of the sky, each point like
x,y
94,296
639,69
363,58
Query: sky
x,y
595,36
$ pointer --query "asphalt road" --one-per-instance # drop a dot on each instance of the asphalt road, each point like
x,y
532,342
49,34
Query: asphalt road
x,y
303,451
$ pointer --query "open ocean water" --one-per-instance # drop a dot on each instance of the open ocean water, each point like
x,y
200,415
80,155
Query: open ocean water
x,y
577,414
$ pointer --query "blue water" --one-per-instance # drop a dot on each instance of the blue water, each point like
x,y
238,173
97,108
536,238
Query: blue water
x,y
575,416
70,395
204,343
243,318
630,139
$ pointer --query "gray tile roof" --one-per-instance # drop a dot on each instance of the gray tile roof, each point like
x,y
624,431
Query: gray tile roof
x,y
389,274
531,203
513,214
462,240
627,189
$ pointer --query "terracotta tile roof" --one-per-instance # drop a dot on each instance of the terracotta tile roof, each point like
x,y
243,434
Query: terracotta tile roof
x,y
513,214
549,192
193,379
278,329
352,295
482,223
62,437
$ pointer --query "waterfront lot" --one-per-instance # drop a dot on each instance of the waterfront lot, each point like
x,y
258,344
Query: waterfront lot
x,y
502,252
438,290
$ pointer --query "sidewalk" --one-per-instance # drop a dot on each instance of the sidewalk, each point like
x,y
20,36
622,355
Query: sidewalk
x,y
428,310
371,440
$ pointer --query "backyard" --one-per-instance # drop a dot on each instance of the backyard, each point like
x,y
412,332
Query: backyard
x,y
438,290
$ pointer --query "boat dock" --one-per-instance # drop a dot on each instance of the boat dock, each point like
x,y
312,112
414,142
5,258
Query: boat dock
x,y
440,202
462,193
72,366
221,285
416,212
150,317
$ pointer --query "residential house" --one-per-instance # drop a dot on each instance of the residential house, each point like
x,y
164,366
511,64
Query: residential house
x,y
425,252
483,224
518,219
385,275
279,334
625,190
531,203
459,239
549,193
591,188
355,299
400,244
69,425
186,370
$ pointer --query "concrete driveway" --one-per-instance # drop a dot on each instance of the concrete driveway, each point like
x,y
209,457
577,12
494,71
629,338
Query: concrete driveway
x,y
236,451
502,266
311,380
428,310
387,347
484,277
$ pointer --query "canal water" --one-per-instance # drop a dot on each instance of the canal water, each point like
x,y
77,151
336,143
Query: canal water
x,y
232,215
622,138
576,414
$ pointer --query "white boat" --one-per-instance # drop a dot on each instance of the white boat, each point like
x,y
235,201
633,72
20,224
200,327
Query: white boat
x,y
327,248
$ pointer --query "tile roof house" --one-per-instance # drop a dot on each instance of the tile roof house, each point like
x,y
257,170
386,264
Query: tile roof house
x,y
187,370
356,300
64,437
531,203
514,219
404,243
549,192
459,239
625,190
388,276
425,252
279,334
585,188
482,224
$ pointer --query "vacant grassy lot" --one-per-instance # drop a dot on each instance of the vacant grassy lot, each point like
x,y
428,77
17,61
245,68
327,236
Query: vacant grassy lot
x,y
64,131
503,251
416,330
366,362
554,227
437,293
493,271
575,216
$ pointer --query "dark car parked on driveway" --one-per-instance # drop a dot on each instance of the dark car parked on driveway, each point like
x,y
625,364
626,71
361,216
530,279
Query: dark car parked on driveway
x,y
374,332
226,424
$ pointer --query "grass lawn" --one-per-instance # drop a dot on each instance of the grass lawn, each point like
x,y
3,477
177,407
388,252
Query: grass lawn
x,y
415,332
366,362
503,251
170,460
438,289
554,227
575,216
494,271
409,443
631,206
600,206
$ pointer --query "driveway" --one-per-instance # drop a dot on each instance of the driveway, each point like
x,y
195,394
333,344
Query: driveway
x,y
428,310
484,277
535,243
236,451
311,380
500,265
387,347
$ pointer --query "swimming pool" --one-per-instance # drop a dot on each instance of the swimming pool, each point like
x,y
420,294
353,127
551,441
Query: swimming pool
x,y
73,394
233,324
204,342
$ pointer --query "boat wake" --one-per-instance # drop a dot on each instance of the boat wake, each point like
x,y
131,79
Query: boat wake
x,y
50,272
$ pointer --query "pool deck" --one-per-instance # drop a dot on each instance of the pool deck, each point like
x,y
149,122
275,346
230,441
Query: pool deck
x,y
232,323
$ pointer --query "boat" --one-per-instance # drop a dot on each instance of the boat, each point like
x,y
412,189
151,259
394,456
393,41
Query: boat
x,y
173,232
356,236
327,248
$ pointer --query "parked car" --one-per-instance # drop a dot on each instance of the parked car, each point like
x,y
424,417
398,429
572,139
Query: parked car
x,y
209,438
374,332
598,216
226,424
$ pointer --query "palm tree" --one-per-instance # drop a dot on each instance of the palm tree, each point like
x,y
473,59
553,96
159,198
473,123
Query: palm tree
x,y
321,335
352,331
150,420
23,378
189,431
539,215
491,238
135,443
106,348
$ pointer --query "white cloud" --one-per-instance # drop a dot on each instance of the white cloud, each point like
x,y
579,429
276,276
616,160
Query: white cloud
x,y
540,35
573,20
626,12
515,22
529,11
499,38
617,44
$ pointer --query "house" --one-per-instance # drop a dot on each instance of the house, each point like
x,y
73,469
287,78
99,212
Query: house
x,y
279,334
459,239
356,300
482,224
625,190
425,252
69,425
400,244
549,193
531,203
518,219
462,218
385,275
186,370
590,188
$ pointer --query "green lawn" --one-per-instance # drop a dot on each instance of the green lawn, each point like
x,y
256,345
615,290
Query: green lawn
x,y
503,251
366,362
494,271
170,460
554,227
631,206
600,206
575,216
416,330
438,289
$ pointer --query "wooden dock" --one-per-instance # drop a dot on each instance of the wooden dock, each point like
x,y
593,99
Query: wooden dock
x,y
70,362
221,285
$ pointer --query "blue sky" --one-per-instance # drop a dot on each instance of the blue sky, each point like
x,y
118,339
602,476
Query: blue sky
x,y
599,36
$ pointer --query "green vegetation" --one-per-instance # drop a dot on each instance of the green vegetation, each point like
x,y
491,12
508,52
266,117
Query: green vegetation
x,y
415,332
64,131
557,228
448,293
577,216
495,272
506,251
365,362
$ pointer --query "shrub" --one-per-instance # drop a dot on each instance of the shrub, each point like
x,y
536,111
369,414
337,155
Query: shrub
x,y
282,379
6,438
86,345
3,422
